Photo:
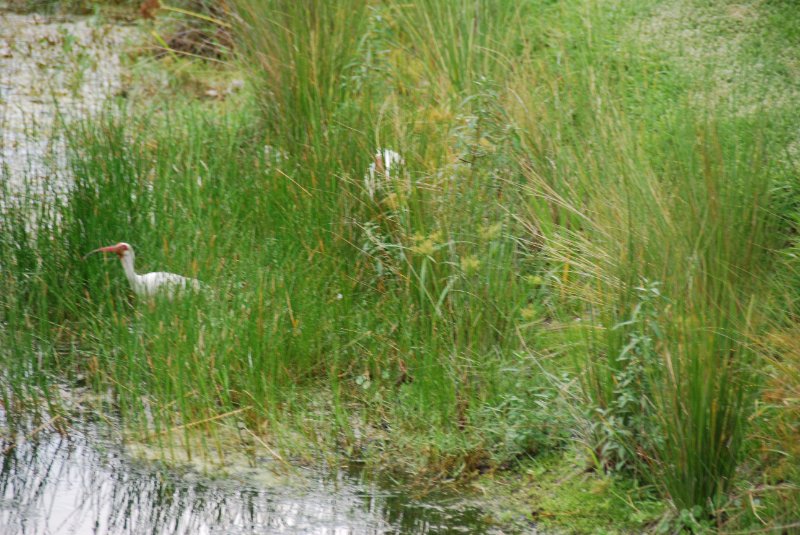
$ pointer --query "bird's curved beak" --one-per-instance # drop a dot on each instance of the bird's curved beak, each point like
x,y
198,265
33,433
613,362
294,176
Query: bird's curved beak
x,y
110,249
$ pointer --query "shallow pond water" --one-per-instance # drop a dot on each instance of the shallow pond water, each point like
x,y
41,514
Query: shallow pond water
x,y
51,69
84,481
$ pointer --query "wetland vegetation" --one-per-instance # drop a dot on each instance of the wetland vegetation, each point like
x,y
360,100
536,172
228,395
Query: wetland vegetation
x,y
576,293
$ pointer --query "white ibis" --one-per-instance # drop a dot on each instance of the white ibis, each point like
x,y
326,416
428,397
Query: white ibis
x,y
149,284
379,174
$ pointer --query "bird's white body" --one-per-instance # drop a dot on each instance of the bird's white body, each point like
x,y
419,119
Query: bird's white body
x,y
149,284
158,282
382,171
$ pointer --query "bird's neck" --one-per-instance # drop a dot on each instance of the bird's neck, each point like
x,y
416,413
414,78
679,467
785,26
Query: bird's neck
x,y
127,265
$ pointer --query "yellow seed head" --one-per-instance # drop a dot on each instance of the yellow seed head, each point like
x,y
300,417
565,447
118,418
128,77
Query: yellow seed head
x,y
392,201
426,247
470,264
534,280
490,232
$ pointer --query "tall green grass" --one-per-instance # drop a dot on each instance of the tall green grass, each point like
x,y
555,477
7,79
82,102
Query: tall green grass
x,y
661,218
563,192
306,315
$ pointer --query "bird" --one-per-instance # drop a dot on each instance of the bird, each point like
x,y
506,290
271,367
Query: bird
x,y
379,176
149,284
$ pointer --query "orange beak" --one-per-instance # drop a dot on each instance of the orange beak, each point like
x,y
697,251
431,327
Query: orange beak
x,y
117,249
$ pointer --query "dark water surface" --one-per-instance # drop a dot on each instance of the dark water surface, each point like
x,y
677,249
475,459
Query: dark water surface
x,y
84,482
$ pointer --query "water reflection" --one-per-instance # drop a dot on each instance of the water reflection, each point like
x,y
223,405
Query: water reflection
x,y
85,484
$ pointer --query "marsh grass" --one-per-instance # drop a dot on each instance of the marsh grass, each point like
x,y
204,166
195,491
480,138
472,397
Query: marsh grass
x,y
567,213
299,325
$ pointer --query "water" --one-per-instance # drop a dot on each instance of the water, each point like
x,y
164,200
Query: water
x,y
51,69
85,481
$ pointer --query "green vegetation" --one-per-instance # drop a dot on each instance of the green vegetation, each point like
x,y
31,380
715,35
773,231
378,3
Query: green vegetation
x,y
591,240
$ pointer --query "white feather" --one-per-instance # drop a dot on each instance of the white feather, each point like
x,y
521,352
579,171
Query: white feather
x,y
156,283
379,174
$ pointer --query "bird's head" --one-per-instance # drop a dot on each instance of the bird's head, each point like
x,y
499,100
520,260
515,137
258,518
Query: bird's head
x,y
121,249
